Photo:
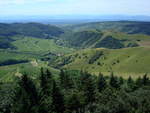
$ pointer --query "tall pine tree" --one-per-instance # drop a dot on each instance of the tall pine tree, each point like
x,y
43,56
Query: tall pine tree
x,y
130,83
65,80
57,99
101,82
145,80
88,87
26,97
114,81
46,82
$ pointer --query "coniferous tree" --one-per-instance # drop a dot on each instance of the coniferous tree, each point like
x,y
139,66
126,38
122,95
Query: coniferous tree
x,y
121,81
57,99
26,98
46,91
62,78
114,81
88,87
130,83
74,102
46,82
138,82
101,82
145,80
42,80
65,80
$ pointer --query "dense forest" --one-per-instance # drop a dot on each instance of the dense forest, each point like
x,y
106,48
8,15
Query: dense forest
x,y
75,92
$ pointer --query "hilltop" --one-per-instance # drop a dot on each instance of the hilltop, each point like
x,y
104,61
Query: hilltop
x,y
131,27
29,29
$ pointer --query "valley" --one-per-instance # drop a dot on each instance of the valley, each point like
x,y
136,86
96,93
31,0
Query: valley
x,y
74,56
105,47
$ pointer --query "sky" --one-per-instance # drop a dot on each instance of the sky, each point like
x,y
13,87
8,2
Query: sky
x,y
74,7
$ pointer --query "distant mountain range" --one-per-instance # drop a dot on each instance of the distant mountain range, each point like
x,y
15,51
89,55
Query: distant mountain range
x,y
71,19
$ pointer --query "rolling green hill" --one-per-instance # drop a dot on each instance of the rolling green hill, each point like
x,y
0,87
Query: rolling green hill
x,y
123,62
29,29
29,46
107,39
21,30
37,45
117,34
130,27
27,51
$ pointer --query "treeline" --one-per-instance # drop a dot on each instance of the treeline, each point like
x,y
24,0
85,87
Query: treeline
x,y
12,61
75,92
29,29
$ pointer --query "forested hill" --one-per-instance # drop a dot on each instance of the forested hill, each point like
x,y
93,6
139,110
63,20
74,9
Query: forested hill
x,y
29,29
131,27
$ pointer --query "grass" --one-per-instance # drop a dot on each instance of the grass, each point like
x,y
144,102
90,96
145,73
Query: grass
x,y
132,61
123,62
39,45
6,55
31,49
8,73
141,39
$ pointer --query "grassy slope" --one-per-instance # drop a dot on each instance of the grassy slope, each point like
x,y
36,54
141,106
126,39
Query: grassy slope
x,y
141,39
132,61
6,55
39,45
32,49
92,38
8,73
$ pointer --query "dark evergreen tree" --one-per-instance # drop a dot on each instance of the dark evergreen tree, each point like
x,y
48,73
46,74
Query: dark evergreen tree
x,y
88,86
145,80
101,82
74,102
114,81
65,80
57,99
46,80
138,82
42,80
130,83
121,81
62,78
26,100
